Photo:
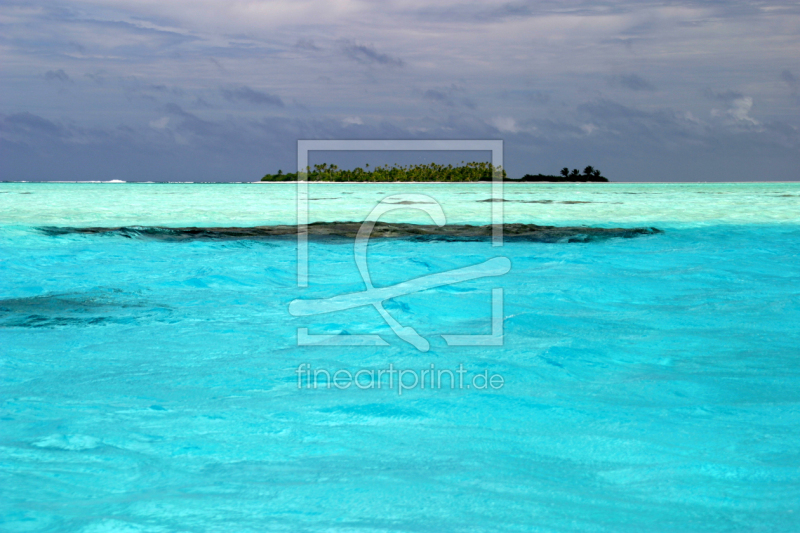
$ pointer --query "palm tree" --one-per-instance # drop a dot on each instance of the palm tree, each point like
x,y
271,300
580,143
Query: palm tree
x,y
588,171
575,173
565,172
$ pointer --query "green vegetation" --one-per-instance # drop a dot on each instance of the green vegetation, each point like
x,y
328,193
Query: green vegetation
x,y
468,172
280,176
431,172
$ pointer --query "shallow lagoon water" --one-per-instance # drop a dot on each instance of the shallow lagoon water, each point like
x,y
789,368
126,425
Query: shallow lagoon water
x,y
215,204
651,384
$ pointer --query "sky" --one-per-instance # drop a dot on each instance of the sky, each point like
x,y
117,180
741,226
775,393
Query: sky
x,y
221,90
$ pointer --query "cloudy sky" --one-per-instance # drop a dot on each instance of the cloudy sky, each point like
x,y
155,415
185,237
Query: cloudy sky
x,y
214,90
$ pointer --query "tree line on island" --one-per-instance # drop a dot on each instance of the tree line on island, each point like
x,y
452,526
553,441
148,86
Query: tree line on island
x,y
589,174
475,171
467,172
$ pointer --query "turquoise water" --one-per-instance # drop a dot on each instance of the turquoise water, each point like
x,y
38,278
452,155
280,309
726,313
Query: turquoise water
x,y
649,384
113,204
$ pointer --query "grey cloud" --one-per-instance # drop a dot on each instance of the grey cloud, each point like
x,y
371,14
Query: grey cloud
x,y
26,123
488,13
244,149
540,97
608,110
201,103
449,97
368,55
657,131
529,95
190,123
133,86
175,109
246,94
790,80
98,77
299,105
500,64
217,64
57,75
658,128
784,134
77,46
307,44
634,82
484,12
724,96
130,39
476,12
738,108
117,34
156,38
438,96
39,133
161,88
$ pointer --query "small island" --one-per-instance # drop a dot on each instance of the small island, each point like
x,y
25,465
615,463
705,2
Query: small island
x,y
590,174
466,173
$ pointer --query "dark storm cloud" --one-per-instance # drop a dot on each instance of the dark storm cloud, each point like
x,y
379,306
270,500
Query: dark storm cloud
x,y
629,143
180,89
40,133
18,126
251,96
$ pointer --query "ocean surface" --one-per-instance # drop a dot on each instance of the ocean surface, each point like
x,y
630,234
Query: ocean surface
x,y
645,384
